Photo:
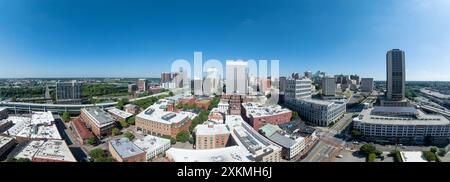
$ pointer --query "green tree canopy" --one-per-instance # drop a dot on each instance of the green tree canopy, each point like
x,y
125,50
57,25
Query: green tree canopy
x,y
183,136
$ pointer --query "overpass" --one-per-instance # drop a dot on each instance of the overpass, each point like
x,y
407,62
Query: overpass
x,y
436,110
28,107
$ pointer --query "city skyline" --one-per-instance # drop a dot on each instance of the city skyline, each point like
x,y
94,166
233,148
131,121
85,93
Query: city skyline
x,y
57,39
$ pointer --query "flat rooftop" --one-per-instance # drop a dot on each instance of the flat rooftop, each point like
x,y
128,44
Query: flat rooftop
x,y
259,110
149,142
367,116
415,156
125,148
29,150
99,116
228,154
211,129
37,126
156,113
5,140
323,102
119,113
55,150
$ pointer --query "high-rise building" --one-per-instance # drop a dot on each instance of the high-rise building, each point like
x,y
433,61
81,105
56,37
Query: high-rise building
x,y
142,85
395,75
355,79
308,74
166,77
132,88
297,89
328,86
68,92
367,84
282,83
237,77
212,82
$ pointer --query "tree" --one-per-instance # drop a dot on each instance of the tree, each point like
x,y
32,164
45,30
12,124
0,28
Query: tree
x,y
295,116
18,160
123,124
170,93
183,136
105,159
429,156
356,134
122,102
131,120
442,152
433,149
396,155
92,140
115,131
368,149
14,99
191,140
65,117
97,153
129,135
371,157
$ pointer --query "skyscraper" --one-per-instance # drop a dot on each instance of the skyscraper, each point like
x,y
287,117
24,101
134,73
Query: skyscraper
x,y
237,77
395,75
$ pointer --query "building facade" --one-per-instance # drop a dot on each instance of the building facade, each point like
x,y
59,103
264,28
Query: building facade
x,y
211,136
328,86
395,75
100,122
237,77
367,85
69,92
142,85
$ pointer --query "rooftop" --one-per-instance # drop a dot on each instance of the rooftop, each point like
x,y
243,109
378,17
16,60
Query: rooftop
x,y
157,113
55,150
4,140
211,129
282,140
125,148
259,110
151,142
29,150
270,129
228,154
118,112
412,156
37,126
99,116
391,118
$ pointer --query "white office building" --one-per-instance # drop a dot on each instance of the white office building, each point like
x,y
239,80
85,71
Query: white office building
x,y
328,86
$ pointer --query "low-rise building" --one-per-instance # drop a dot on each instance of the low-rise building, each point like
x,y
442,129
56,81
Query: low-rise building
x,y
5,124
210,136
156,120
153,146
82,132
118,114
100,122
132,109
257,114
292,145
217,115
3,113
37,126
46,151
6,143
401,125
124,150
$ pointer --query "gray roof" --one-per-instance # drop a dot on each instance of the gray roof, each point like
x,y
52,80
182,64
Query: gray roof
x,y
410,110
100,116
125,148
284,141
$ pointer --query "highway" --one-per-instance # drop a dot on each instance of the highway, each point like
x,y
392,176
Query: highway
x,y
28,107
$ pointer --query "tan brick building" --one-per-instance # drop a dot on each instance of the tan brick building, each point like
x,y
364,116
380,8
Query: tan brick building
x,y
211,136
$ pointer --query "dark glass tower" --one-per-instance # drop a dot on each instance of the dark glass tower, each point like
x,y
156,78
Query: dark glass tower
x,y
395,80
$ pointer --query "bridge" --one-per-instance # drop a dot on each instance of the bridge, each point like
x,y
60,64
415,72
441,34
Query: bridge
x,y
436,110
29,107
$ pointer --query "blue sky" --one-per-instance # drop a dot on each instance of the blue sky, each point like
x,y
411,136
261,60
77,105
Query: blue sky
x,y
112,38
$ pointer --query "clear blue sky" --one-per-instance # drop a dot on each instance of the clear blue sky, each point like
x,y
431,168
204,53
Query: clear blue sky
x,y
112,38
